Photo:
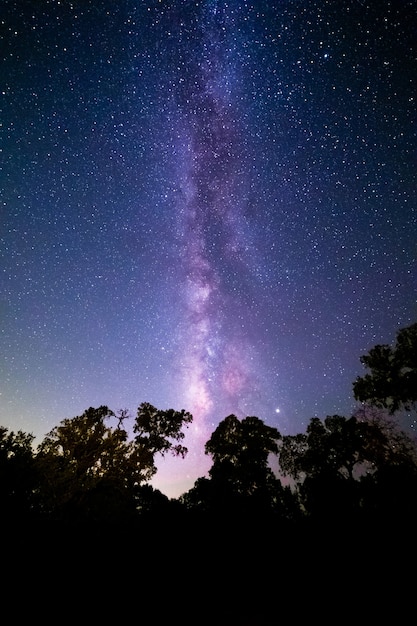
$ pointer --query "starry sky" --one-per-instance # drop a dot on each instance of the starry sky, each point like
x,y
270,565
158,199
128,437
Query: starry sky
x,y
205,205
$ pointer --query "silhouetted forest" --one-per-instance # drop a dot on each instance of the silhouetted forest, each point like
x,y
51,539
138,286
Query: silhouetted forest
x,y
342,503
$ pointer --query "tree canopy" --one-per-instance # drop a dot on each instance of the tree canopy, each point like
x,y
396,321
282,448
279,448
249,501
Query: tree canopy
x,y
240,450
17,472
89,467
337,460
241,480
392,379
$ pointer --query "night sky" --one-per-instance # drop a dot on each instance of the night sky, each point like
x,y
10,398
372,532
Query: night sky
x,y
205,205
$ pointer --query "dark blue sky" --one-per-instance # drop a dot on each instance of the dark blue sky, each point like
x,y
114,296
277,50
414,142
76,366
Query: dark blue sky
x,y
205,205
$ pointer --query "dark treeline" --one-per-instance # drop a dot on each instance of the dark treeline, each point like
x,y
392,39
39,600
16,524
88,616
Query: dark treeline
x,y
344,488
87,471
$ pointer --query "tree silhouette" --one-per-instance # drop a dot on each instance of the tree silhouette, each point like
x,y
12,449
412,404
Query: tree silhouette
x,y
155,430
90,470
241,479
339,463
240,452
17,474
392,381
322,463
390,485
334,445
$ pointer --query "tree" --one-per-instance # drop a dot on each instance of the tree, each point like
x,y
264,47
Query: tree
x,y
240,480
334,446
385,443
80,462
155,430
392,381
17,473
92,470
322,463
339,462
390,485
240,452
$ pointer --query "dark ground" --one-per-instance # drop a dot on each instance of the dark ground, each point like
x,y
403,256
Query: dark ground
x,y
214,572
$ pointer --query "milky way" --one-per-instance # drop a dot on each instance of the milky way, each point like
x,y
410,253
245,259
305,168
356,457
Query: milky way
x,y
213,358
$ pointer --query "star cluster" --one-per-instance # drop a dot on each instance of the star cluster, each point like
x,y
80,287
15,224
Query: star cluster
x,y
205,205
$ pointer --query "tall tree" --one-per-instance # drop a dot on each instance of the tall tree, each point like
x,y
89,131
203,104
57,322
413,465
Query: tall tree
x,y
392,380
241,480
240,452
90,469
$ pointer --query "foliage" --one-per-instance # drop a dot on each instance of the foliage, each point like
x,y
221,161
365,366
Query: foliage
x,y
241,480
17,473
386,444
330,446
392,381
154,430
240,452
336,461
89,469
